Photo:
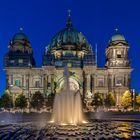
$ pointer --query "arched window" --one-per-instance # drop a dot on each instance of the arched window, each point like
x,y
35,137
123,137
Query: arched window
x,y
17,83
119,81
37,84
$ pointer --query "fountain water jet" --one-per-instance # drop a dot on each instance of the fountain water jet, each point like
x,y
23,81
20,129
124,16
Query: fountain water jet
x,y
67,108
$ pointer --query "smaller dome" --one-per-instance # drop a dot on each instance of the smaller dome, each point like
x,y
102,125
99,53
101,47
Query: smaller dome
x,y
19,36
20,43
117,37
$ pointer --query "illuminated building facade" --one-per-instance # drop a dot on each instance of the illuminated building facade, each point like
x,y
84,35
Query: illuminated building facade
x,y
68,47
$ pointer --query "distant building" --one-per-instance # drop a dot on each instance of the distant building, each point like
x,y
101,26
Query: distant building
x,y
68,47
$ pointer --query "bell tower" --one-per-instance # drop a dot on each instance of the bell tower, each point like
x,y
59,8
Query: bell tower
x,y
118,65
117,52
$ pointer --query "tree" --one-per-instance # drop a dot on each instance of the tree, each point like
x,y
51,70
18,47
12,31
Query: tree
x,y
50,100
126,99
97,100
109,100
37,100
6,100
21,101
138,100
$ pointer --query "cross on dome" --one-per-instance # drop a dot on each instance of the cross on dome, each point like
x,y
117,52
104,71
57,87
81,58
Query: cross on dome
x,y
21,29
69,12
116,30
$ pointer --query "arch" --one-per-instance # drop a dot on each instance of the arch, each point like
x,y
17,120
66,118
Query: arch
x,y
74,84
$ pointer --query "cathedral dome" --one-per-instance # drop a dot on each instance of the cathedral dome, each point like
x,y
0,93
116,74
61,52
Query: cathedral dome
x,y
69,47
68,36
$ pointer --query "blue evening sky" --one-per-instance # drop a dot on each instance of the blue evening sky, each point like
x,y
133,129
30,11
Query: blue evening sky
x,y
97,19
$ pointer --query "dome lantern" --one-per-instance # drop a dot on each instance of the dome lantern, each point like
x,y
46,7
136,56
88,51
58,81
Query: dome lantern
x,y
69,22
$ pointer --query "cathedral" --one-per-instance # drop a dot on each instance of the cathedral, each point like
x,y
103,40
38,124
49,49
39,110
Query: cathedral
x,y
70,48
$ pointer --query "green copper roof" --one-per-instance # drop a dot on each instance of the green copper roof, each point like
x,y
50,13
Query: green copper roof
x,y
117,37
68,36
19,36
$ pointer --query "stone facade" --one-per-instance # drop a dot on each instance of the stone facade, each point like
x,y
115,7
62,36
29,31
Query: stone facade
x,y
68,48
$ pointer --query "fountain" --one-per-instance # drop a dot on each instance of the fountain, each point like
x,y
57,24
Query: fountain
x,y
67,108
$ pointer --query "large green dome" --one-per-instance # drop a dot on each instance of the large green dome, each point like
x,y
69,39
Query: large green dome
x,y
68,36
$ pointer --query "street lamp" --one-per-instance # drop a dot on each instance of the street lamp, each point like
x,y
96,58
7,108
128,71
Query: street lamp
x,y
133,98
11,94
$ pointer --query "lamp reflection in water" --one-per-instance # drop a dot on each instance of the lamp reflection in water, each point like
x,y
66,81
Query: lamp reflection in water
x,y
126,129
67,108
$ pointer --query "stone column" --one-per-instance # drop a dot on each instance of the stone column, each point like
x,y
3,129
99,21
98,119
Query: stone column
x,y
95,81
52,83
23,81
8,82
126,80
45,84
46,81
42,80
109,82
27,81
88,82
113,80
92,83
106,81
11,79
114,53
49,81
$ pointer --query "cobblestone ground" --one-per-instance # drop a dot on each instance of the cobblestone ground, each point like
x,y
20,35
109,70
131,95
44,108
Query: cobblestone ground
x,y
99,130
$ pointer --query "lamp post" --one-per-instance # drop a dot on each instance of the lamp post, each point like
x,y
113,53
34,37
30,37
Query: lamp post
x,y
133,98
11,95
